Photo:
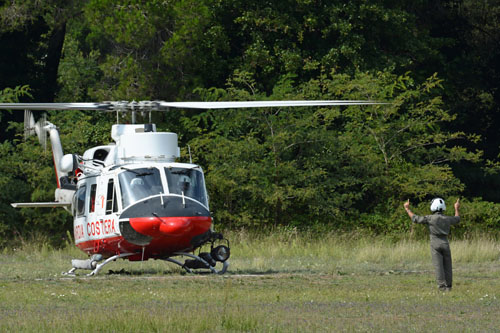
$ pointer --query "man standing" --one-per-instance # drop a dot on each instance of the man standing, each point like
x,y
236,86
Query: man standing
x,y
439,228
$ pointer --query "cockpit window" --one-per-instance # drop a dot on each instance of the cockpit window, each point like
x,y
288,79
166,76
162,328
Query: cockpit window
x,y
188,182
137,184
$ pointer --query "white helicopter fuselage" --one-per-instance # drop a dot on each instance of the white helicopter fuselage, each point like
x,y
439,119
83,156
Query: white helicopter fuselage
x,y
138,205
132,197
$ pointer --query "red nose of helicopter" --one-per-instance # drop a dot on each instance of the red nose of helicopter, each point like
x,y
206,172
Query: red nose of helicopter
x,y
157,226
165,222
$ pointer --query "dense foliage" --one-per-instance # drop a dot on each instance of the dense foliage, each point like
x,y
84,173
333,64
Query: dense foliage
x,y
342,167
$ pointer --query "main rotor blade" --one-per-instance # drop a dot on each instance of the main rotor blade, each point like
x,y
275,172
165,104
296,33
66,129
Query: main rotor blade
x,y
124,106
56,106
261,104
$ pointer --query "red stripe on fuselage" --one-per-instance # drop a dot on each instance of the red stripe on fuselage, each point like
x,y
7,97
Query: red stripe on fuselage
x,y
105,246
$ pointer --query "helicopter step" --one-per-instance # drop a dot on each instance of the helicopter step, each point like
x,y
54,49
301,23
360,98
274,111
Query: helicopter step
x,y
89,264
92,263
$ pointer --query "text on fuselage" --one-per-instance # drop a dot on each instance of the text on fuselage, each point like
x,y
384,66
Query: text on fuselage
x,y
97,228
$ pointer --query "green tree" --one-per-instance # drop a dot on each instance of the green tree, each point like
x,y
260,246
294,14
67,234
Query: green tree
x,y
32,33
12,95
328,165
273,39
269,166
152,49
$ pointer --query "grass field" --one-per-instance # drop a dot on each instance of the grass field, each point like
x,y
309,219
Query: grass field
x,y
280,282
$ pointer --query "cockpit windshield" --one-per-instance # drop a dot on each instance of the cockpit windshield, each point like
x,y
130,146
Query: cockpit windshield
x,y
188,182
137,184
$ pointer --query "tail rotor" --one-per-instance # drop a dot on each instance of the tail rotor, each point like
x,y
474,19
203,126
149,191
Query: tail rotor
x,y
32,128
29,124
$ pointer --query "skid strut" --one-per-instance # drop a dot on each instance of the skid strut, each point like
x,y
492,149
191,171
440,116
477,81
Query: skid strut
x,y
99,266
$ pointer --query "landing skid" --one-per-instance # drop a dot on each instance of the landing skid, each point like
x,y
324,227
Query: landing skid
x,y
225,264
92,263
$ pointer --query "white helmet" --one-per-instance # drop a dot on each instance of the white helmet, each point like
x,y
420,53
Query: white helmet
x,y
438,205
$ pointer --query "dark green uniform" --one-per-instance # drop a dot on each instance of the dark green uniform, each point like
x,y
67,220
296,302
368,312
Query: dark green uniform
x,y
439,228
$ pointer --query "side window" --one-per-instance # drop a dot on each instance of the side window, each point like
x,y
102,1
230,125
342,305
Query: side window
x,y
80,200
93,188
111,206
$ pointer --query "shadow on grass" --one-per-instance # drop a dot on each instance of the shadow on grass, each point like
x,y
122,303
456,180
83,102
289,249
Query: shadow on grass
x,y
256,272
142,272
270,272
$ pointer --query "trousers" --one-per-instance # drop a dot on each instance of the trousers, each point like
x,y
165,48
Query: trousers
x,y
441,259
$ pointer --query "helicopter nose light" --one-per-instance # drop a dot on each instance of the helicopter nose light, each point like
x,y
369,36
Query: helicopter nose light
x,y
220,253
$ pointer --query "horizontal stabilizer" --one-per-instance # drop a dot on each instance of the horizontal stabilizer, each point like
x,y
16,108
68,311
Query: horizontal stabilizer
x,y
41,204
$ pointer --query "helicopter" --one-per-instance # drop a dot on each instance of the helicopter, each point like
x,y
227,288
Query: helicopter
x,y
131,199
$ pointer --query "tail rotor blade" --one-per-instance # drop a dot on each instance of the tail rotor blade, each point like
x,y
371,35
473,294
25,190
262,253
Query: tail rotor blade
x,y
29,124
40,130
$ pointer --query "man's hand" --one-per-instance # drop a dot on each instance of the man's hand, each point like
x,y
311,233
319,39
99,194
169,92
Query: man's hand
x,y
407,205
457,207
407,208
